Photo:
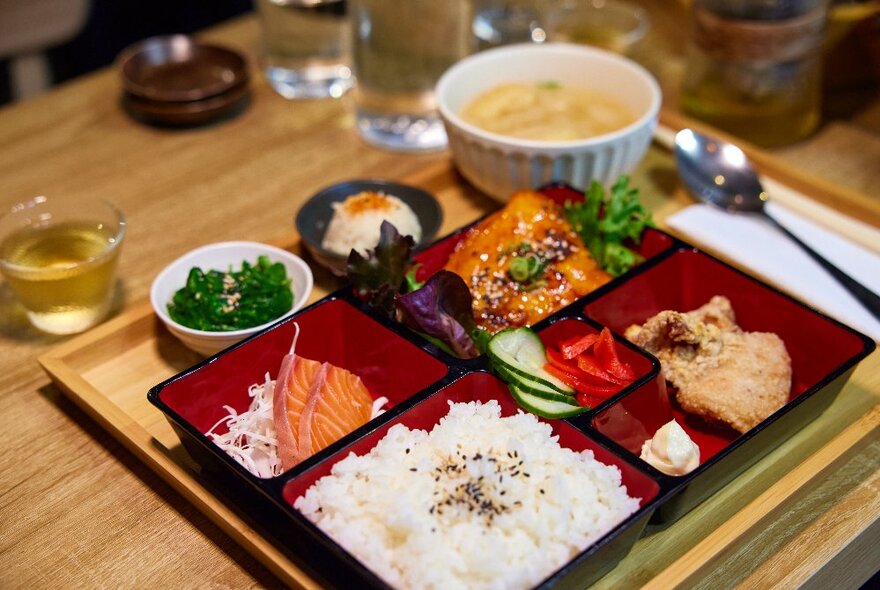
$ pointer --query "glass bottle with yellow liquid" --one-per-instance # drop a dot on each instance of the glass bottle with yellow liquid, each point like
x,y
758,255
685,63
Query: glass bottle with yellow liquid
x,y
754,68
59,258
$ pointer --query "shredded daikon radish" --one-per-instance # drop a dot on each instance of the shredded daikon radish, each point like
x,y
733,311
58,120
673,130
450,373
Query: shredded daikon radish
x,y
251,438
377,407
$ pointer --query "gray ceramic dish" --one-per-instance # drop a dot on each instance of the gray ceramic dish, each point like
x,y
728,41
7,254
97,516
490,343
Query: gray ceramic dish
x,y
314,217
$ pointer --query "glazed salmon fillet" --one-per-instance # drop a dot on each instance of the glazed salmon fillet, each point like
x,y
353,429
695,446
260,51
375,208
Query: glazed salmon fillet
x,y
530,225
316,404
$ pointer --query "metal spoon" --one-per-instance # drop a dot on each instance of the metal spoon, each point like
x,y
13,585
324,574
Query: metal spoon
x,y
720,174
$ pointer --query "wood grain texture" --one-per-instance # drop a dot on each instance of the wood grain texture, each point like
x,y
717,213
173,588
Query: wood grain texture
x,y
78,509
759,512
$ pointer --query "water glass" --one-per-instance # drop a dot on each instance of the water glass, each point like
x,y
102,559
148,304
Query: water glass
x,y
502,22
615,25
306,47
59,258
400,50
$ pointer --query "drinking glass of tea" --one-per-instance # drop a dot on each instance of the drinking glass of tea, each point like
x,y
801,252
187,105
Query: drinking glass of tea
x,y
59,258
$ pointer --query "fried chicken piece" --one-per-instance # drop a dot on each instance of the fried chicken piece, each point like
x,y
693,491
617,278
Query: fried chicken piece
x,y
719,371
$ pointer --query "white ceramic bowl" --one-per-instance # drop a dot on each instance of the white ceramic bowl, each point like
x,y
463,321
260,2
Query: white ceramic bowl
x,y
220,256
499,165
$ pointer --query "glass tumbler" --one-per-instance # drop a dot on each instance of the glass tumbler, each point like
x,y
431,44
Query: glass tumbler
x,y
59,257
400,50
306,49
754,68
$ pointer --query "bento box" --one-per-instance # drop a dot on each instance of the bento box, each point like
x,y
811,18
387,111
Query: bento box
x,y
428,390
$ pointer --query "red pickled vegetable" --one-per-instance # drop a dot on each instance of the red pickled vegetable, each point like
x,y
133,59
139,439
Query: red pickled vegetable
x,y
590,365
567,376
556,358
580,381
606,354
575,346
587,400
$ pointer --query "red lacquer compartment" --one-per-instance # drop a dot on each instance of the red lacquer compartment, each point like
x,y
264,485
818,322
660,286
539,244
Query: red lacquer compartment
x,y
819,348
568,330
332,332
435,257
483,387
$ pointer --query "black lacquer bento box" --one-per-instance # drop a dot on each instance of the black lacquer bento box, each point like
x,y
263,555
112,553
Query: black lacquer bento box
x,y
419,380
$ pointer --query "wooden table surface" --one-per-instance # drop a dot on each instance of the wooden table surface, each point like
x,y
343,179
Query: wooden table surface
x,y
78,510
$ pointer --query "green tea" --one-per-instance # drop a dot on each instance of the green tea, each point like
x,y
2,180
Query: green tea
x,y
62,274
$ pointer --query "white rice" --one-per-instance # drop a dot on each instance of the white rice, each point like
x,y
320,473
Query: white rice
x,y
479,502
356,221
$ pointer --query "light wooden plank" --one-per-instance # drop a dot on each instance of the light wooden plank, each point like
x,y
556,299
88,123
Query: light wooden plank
x,y
710,549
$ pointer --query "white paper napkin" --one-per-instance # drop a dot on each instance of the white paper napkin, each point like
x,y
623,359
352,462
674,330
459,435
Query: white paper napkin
x,y
757,245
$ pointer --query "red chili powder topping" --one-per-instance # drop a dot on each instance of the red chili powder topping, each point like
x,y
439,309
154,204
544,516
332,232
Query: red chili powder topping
x,y
367,201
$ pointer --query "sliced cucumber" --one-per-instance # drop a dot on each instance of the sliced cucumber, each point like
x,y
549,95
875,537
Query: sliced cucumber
x,y
520,351
532,387
544,407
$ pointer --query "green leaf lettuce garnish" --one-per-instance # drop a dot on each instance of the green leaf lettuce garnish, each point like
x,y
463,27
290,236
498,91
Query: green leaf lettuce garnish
x,y
605,222
412,283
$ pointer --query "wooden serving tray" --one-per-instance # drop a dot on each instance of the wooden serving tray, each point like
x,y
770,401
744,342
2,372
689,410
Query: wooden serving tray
x,y
109,370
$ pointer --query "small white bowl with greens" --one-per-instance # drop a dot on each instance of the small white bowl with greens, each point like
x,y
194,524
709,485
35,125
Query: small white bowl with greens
x,y
219,294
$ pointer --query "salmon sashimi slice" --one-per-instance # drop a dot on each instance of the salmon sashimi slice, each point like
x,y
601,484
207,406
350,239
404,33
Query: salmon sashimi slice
x,y
292,389
314,405
304,417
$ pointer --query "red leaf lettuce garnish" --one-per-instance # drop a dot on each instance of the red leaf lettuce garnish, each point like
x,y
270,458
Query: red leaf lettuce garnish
x,y
441,308
381,275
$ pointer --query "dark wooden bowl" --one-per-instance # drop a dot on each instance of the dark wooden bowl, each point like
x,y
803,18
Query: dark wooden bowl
x,y
177,68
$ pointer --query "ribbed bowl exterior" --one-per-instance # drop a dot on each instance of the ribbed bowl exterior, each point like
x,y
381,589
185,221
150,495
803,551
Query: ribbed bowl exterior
x,y
500,170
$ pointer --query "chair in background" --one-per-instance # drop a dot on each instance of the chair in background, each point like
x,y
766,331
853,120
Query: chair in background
x,y
27,29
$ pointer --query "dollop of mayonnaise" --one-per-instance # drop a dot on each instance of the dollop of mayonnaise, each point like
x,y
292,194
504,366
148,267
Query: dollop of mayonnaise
x,y
671,450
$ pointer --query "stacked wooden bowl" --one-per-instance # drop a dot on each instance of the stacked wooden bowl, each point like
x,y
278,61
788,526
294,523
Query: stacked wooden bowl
x,y
175,80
